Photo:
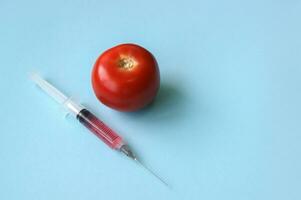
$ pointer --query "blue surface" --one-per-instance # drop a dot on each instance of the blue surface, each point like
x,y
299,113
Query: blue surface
x,y
226,123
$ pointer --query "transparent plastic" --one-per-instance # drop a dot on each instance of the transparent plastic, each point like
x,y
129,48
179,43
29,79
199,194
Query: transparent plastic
x,y
71,106
99,129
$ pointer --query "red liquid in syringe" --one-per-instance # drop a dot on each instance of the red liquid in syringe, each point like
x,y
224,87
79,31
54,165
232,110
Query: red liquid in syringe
x,y
99,129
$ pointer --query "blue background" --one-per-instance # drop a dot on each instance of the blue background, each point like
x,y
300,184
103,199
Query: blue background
x,y
225,125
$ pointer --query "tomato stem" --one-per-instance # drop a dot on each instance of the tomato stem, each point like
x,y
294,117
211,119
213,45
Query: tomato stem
x,y
127,63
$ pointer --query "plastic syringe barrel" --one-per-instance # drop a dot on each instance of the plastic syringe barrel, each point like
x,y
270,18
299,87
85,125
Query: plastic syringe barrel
x,y
71,106
84,116
100,129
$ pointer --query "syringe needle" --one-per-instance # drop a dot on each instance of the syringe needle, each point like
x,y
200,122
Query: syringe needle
x,y
150,171
129,153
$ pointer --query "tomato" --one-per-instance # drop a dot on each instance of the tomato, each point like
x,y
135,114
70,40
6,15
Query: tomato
x,y
126,77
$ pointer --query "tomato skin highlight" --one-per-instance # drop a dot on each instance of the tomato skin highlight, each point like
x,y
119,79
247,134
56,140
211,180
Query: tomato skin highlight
x,y
126,77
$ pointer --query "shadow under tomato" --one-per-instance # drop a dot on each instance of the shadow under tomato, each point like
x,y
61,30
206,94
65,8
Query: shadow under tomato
x,y
168,106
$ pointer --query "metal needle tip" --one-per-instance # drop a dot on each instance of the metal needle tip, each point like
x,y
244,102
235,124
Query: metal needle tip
x,y
150,171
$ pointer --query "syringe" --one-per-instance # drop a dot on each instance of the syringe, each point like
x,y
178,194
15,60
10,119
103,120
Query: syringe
x,y
90,121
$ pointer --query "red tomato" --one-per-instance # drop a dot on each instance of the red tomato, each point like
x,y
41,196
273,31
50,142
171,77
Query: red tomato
x,y
126,77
